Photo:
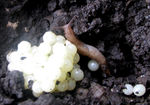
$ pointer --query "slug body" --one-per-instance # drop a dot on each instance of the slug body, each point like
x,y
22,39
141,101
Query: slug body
x,y
85,49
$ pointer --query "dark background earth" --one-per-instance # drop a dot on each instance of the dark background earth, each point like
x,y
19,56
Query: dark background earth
x,y
120,29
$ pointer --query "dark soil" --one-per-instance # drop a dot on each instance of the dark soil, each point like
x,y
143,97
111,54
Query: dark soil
x,y
120,29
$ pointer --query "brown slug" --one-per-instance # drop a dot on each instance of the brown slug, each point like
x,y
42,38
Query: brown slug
x,y
85,49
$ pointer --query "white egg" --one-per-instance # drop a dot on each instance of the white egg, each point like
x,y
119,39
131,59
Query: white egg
x,y
24,47
37,91
48,86
93,65
76,66
60,39
14,66
71,84
49,37
13,57
62,86
77,74
71,47
128,89
44,49
139,90
76,58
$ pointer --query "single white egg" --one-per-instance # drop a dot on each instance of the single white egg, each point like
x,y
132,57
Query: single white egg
x,y
93,65
60,39
44,49
76,58
76,66
49,37
77,74
128,89
71,84
24,47
37,91
48,86
71,47
139,90
62,86
13,57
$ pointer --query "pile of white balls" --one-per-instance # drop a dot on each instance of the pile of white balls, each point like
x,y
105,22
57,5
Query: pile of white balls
x,y
138,90
52,66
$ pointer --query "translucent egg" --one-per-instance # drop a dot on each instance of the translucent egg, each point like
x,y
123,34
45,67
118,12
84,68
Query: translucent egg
x,y
67,65
34,49
49,37
77,74
59,48
71,84
24,47
62,86
54,73
48,86
14,66
28,66
36,88
44,49
76,66
71,47
39,75
13,57
139,90
60,39
93,65
128,89
62,76
76,58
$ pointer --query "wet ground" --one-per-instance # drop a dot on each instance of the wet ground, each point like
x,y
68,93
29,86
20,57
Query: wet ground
x,y
120,29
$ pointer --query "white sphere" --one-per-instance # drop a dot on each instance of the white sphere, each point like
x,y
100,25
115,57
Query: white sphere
x,y
77,74
49,37
59,47
48,86
93,65
128,89
139,90
36,89
62,76
67,65
14,66
71,84
34,49
76,58
71,47
76,66
24,47
60,39
62,86
44,49
13,57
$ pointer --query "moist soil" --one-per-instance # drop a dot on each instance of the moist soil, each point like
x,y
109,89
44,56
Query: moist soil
x,y
120,29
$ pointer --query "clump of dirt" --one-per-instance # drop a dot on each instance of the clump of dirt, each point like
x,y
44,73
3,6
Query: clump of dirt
x,y
119,29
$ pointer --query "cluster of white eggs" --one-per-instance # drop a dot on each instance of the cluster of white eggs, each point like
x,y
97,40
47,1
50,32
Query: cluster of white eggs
x,y
52,66
138,90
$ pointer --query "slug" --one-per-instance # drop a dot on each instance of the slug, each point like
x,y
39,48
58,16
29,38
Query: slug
x,y
85,49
